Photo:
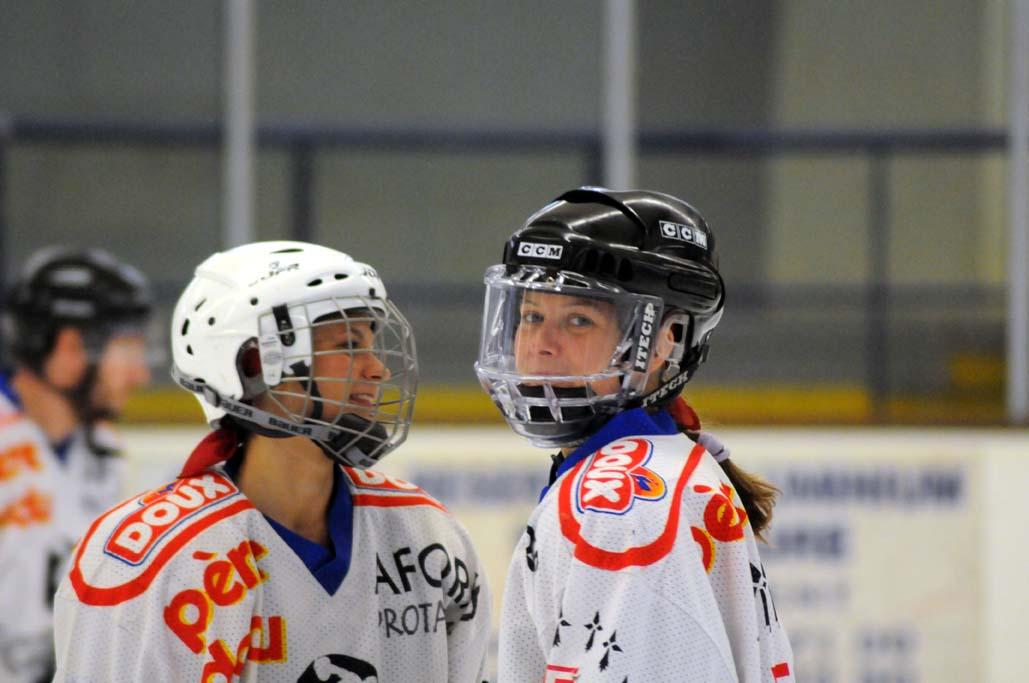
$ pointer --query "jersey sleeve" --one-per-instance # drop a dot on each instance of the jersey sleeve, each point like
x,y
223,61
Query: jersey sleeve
x,y
31,550
119,643
522,651
469,626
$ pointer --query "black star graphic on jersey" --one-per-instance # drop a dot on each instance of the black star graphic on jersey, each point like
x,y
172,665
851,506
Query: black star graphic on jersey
x,y
557,631
760,579
532,555
593,627
609,646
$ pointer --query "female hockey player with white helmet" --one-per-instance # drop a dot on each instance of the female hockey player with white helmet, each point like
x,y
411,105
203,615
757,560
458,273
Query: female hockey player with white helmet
x,y
640,562
276,555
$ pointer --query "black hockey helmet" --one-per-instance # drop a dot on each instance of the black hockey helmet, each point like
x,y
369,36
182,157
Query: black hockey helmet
x,y
643,246
88,289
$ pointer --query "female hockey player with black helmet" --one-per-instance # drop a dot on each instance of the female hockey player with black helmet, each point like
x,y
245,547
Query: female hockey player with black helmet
x,y
277,555
640,562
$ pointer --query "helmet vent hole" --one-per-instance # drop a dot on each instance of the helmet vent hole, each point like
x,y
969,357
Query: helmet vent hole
x,y
185,327
625,273
607,265
341,276
290,250
315,282
189,349
199,304
210,321
589,261
253,301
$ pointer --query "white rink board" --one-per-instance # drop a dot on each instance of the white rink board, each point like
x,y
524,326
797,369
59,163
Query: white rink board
x,y
899,555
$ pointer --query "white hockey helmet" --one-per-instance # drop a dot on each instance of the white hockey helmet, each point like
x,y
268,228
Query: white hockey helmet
x,y
262,302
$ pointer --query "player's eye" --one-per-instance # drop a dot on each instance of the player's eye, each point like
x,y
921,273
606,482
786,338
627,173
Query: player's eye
x,y
532,317
577,320
349,345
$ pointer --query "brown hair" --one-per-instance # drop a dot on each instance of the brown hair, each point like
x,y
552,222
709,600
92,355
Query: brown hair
x,y
756,494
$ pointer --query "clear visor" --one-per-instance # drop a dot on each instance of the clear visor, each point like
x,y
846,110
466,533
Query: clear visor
x,y
553,341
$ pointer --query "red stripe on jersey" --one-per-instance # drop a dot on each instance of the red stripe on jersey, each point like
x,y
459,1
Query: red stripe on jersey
x,y
113,595
11,418
639,556
372,500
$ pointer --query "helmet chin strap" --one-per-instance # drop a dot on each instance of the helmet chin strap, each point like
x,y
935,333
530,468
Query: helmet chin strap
x,y
373,435
80,397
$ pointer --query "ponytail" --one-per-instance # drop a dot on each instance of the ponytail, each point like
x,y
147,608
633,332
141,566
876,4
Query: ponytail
x,y
756,494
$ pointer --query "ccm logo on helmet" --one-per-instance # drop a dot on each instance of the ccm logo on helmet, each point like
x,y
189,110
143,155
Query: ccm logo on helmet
x,y
684,233
539,250
161,511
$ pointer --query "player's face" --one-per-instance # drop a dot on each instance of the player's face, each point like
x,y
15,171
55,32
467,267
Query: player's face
x,y
122,369
348,372
566,335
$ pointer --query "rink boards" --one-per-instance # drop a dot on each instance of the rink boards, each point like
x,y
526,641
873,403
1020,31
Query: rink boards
x,y
896,555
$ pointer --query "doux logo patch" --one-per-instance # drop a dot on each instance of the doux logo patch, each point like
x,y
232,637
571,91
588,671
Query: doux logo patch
x,y
616,477
161,511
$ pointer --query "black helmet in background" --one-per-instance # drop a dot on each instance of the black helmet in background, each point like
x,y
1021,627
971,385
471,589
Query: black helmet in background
x,y
648,257
86,289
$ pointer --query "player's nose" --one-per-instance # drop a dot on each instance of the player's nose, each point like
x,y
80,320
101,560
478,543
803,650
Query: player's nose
x,y
374,369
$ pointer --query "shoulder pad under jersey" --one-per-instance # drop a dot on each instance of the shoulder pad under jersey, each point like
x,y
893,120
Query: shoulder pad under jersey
x,y
125,548
622,506
375,489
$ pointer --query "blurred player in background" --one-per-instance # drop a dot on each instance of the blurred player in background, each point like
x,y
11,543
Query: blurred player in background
x,y
640,561
276,555
74,328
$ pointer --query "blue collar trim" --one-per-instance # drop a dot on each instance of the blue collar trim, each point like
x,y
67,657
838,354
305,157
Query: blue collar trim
x,y
635,422
329,566
8,391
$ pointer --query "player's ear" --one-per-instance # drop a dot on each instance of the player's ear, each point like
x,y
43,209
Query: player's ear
x,y
68,358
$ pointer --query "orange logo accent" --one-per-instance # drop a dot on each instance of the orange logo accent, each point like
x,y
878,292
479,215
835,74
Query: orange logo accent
x,y
723,520
32,508
160,512
382,490
616,477
370,479
17,459
189,613
707,547
261,644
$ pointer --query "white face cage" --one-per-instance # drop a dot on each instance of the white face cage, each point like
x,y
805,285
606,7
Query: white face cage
x,y
340,371
560,352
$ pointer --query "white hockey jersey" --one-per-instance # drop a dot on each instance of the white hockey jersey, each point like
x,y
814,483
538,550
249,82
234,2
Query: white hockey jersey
x,y
46,504
639,565
191,583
